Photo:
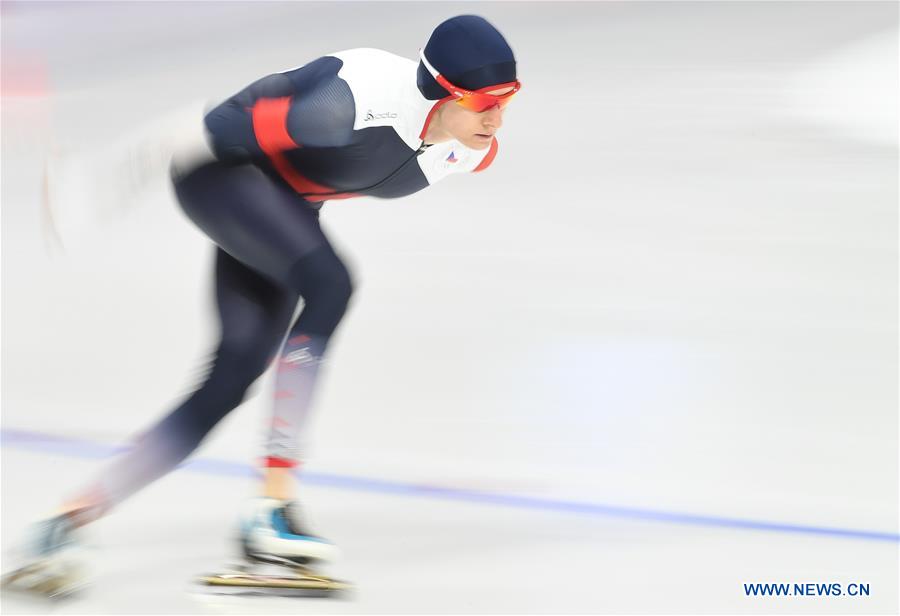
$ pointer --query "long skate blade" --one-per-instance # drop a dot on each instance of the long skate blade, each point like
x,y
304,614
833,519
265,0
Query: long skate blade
x,y
261,591
287,585
34,580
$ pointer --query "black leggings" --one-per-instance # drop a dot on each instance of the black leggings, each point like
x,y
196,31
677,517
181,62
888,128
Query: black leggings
x,y
271,249
270,252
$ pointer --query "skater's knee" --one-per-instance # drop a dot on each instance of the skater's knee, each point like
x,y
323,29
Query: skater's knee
x,y
339,289
319,273
246,348
239,362
326,286
222,392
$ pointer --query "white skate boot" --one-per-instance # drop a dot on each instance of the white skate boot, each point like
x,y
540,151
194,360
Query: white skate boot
x,y
54,560
280,555
271,531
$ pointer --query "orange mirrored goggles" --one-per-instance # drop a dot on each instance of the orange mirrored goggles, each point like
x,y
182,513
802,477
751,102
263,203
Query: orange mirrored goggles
x,y
474,100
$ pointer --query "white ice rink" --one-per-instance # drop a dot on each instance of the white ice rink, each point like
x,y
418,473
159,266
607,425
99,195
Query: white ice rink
x,y
646,358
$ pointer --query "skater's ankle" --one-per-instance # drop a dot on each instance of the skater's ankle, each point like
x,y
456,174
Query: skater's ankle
x,y
81,513
279,483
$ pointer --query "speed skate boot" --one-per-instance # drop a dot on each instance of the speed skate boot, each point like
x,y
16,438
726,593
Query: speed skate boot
x,y
280,556
272,532
54,560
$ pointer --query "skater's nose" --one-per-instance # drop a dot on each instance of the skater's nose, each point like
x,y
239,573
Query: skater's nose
x,y
492,119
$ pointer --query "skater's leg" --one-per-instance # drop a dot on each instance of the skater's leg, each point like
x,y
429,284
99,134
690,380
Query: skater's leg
x,y
254,313
279,235
272,530
324,282
268,228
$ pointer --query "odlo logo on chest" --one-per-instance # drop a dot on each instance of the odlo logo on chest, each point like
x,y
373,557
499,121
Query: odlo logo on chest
x,y
379,116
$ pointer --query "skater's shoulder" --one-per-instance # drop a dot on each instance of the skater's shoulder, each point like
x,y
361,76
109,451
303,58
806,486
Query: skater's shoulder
x,y
383,87
322,110
376,62
375,71
372,58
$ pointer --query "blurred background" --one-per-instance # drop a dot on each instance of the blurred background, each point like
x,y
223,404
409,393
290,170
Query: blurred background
x,y
650,355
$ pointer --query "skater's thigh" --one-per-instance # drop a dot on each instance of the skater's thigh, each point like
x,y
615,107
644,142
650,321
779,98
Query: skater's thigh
x,y
252,217
254,311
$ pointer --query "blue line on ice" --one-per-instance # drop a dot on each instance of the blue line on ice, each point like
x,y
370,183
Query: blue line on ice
x,y
81,448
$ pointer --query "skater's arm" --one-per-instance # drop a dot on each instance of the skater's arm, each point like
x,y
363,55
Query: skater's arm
x,y
307,107
230,125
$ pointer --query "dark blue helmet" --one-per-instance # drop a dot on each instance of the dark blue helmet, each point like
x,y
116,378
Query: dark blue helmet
x,y
470,53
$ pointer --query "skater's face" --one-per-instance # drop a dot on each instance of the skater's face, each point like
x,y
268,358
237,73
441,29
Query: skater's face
x,y
472,129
